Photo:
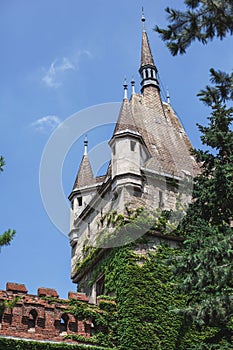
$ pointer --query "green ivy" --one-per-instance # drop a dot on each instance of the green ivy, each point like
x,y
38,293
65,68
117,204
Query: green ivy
x,y
16,344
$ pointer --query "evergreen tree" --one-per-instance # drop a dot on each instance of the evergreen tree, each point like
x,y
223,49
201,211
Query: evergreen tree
x,y
206,265
8,235
203,20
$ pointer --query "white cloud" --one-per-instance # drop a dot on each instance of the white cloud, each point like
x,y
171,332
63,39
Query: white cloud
x,y
46,124
54,74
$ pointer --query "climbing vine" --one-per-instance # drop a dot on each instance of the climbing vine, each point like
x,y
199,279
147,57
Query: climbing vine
x,y
16,344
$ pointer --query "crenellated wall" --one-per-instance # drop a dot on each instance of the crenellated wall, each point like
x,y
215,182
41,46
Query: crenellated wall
x,y
34,317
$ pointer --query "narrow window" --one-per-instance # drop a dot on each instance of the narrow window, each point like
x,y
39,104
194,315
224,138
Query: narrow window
x,y
100,286
88,230
160,199
63,324
32,321
132,145
114,150
80,201
74,249
72,205
137,192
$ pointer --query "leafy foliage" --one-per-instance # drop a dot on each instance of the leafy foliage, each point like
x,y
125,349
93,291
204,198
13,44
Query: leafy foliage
x,y
202,20
8,304
144,288
7,236
16,344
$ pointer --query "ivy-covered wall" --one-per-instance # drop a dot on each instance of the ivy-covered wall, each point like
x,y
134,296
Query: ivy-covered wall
x,y
145,294
147,300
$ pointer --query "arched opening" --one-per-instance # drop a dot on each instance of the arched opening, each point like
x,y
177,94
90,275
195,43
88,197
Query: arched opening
x,y
63,324
32,320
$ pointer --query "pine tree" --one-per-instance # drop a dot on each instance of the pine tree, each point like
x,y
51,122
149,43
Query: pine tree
x,y
8,235
206,262
203,20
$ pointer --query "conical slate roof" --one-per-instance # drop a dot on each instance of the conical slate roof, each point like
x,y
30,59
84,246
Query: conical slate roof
x,y
146,55
85,175
125,119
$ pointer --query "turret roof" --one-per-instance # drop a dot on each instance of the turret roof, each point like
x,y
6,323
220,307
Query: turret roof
x,y
125,120
85,175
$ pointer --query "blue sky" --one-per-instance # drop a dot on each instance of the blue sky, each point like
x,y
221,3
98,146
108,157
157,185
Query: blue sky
x,y
58,58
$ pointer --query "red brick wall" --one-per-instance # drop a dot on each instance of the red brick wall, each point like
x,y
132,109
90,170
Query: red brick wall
x,y
47,316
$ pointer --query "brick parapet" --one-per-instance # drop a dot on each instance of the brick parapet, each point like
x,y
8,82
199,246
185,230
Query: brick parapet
x,y
38,318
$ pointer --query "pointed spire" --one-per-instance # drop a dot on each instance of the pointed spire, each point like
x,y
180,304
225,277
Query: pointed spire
x,y
146,55
85,175
147,70
168,97
133,85
85,145
125,90
125,120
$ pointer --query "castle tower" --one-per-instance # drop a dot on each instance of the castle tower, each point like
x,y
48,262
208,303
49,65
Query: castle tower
x,y
150,163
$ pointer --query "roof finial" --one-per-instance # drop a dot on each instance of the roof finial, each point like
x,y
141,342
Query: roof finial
x,y
125,90
133,85
168,97
143,21
85,145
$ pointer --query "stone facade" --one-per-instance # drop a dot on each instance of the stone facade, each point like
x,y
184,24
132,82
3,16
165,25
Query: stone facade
x,y
34,317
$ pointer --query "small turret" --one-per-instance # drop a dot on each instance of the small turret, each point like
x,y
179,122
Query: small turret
x,y
84,187
125,145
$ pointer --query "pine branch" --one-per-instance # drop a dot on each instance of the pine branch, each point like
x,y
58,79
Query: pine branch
x,y
2,163
202,21
6,237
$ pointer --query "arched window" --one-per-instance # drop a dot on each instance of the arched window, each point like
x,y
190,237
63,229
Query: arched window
x,y
63,323
32,320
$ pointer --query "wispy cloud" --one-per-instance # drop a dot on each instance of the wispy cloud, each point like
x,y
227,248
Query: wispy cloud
x,y
54,75
46,124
